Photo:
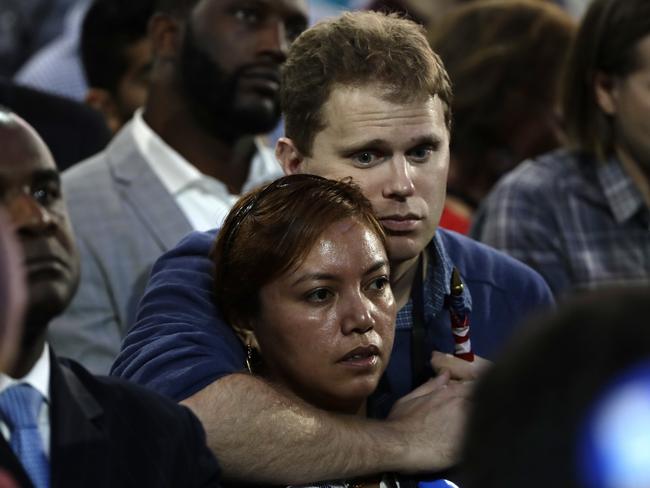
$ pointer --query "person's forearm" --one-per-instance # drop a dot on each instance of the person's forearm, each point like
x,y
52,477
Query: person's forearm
x,y
260,435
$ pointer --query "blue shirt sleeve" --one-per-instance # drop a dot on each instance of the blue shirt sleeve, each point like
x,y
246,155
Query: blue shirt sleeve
x,y
180,343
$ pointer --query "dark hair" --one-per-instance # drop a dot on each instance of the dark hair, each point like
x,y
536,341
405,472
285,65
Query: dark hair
x,y
412,12
398,7
505,59
108,30
178,8
356,49
271,230
606,43
525,422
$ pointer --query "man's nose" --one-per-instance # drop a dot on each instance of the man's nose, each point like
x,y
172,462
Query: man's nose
x,y
400,183
28,215
274,42
358,314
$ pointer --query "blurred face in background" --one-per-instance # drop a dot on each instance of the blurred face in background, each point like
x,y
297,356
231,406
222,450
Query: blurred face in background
x,y
628,102
231,55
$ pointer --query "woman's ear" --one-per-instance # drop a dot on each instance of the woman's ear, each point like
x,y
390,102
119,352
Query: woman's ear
x,y
246,334
253,360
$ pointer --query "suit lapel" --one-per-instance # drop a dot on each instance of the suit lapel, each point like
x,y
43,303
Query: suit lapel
x,y
10,463
149,199
79,449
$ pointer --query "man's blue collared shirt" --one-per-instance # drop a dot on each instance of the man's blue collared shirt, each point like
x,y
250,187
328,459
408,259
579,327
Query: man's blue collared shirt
x,y
180,343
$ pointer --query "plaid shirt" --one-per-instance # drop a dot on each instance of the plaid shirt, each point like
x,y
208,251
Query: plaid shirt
x,y
580,224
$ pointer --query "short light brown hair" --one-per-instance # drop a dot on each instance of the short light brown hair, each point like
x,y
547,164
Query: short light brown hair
x,y
357,49
606,43
271,230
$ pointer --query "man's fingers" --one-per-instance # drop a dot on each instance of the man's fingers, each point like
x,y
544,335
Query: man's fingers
x,y
459,369
436,410
438,382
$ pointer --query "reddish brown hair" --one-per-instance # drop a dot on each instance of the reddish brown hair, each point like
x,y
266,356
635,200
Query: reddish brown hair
x,y
271,230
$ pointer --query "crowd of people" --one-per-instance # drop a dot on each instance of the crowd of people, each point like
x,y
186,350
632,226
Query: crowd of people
x,y
436,278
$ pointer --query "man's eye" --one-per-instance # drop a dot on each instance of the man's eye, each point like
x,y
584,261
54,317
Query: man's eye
x,y
421,153
46,194
248,15
365,158
318,296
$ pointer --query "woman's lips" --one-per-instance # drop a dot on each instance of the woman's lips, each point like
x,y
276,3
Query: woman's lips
x,y
361,357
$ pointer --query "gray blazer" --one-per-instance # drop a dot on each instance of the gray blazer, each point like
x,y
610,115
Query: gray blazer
x,y
123,219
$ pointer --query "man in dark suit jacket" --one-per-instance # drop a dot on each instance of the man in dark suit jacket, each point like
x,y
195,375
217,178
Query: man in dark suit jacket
x,y
93,431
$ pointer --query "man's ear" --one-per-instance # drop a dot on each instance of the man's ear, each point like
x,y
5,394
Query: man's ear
x,y
606,92
289,157
102,101
165,33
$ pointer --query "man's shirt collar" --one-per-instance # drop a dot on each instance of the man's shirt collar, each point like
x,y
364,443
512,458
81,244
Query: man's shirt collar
x,y
38,377
437,285
177,174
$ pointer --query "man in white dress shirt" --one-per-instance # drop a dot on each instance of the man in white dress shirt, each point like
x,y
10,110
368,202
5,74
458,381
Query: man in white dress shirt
x,y
181,163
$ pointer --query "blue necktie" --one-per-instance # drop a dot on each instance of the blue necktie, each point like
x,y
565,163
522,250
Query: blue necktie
x,y
19,408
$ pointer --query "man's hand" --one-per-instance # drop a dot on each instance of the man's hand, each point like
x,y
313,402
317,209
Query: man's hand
x,y
432,419
459,369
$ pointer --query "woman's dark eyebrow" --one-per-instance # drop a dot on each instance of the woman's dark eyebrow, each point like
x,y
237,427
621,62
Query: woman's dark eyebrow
x,y
330,277
315,277
376,267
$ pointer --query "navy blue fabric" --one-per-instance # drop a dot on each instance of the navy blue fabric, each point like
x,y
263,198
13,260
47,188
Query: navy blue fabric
x,y
180,344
